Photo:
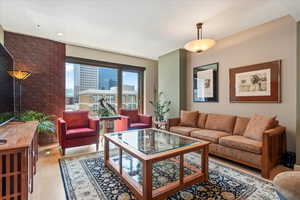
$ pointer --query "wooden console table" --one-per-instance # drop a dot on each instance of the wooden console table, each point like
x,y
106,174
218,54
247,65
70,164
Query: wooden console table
x,y
18,160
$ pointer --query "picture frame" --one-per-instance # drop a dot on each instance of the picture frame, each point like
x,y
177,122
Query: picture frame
x,y
256,83
206,83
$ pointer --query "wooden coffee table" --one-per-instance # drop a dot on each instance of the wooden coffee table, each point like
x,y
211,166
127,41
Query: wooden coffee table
x,y
152,162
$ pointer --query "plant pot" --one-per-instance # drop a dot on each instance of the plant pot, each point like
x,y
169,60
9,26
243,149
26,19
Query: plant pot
x,y
46,138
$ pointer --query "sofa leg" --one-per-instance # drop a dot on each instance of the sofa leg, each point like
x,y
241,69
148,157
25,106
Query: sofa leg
x,y
265,173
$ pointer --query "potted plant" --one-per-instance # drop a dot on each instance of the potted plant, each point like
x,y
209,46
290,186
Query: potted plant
x,y
161,107
105,109
45,128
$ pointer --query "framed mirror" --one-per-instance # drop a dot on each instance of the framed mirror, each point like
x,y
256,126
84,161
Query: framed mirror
x,y
205,83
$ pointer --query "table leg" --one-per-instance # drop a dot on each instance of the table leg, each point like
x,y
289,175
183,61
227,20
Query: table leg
x,y
147,180
181,169
106,152
204,164
105,130
120,162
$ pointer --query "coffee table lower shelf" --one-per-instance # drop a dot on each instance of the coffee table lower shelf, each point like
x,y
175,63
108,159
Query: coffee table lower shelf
x,y
143,188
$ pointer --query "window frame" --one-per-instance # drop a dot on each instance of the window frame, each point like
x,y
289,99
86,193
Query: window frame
x,y
120,67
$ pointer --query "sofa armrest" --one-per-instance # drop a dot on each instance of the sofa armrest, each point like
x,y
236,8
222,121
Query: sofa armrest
x,y
172,122
275,131
61,130
94,124
146,119
121,124
274,146
274,142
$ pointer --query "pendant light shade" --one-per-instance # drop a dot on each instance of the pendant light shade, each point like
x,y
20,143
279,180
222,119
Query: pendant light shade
x,y
200,44
20,75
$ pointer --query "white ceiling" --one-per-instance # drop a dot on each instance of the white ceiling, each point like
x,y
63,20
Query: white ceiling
x,y
143,28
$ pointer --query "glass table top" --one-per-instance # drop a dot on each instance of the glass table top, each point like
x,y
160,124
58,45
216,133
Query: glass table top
x,y
152,141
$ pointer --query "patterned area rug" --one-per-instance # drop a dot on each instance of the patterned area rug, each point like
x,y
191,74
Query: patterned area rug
x,y
86,178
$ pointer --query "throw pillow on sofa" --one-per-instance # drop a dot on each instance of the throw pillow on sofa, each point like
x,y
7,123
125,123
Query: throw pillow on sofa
x,y
188,118
220,122
240,125
257,125
201,120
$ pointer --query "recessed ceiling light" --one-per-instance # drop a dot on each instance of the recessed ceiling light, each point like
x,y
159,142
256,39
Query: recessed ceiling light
x,y
60,34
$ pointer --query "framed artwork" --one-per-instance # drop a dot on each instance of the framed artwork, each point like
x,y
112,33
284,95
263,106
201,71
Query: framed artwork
x,y
256,83
205,83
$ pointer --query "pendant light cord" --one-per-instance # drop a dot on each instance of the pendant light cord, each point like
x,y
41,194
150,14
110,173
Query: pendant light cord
x,y
199,26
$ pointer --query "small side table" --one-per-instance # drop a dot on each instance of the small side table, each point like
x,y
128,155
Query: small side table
x,y
106,121
160,125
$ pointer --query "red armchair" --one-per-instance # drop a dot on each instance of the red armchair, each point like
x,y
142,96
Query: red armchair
x,y
131,119
77,129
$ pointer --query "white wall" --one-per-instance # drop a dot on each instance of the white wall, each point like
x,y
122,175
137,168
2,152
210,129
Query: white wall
x,y
150,76
1,35
169,80
272,41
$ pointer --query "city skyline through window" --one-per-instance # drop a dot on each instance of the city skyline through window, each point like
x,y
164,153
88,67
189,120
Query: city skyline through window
x,y
86,85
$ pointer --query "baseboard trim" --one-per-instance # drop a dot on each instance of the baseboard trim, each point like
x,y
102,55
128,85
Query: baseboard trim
x,y
296,167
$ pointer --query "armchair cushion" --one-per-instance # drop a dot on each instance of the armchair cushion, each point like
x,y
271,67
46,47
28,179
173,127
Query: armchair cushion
x,y
80,132
77,119
146,119
132,114
242,143
287,185
139,126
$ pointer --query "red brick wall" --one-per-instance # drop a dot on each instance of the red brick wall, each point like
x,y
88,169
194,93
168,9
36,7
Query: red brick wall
x,y
44,90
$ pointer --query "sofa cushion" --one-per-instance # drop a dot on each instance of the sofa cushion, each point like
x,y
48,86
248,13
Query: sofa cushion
x,y
220,122
182,130
257,125
188,118
201,120
76,119
209,135
80,132
240,125
241,143
235,154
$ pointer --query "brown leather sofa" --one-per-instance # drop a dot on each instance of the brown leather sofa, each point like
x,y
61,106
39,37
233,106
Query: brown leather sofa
x,y
226,134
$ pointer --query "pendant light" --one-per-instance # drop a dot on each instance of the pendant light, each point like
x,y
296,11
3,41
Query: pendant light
x,y
200,44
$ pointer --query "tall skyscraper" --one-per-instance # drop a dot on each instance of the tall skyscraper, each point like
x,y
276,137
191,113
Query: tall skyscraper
x,y
88,77
107,78
85,77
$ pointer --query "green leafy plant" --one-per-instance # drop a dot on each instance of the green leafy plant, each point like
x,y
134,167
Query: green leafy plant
x,y
105,109
5,116
161,107
45,122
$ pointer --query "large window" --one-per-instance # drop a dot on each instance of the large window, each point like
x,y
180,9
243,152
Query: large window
x,y
89,81
130,90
